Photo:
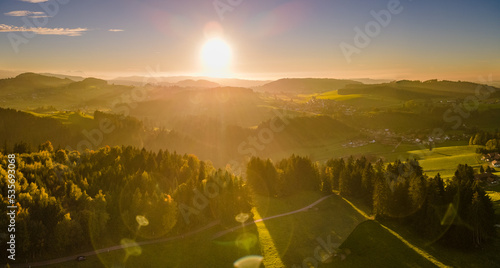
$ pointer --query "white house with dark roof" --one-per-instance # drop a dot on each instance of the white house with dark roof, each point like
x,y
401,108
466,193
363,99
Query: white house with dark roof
x,y
495,163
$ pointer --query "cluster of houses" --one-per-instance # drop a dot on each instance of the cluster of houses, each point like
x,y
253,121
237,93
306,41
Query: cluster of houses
x,y
488,177
358,143
493,158
495,163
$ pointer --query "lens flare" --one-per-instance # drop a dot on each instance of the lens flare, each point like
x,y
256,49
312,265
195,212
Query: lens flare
x,y
242,217
216,57
246,241
141,220
131,247
251,261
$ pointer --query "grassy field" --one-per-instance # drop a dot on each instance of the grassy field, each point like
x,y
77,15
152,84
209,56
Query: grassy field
x,y
67,118
295,237
375,245
334,95
444,160
494,193
360,100
389,153
291,241
478,257
195,251
284,241
371,245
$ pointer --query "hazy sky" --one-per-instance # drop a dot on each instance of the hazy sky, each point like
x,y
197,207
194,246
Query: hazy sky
x,y
444,39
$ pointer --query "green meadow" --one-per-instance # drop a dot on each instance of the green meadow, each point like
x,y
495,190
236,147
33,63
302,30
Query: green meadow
x,y
287,241
444,160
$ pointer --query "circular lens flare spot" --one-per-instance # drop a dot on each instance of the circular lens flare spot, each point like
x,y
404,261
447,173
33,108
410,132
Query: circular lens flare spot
x,y
141,220
131,247
242,217
252,261
246,241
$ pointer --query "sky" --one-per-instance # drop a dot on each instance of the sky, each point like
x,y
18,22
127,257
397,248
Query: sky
x,y
380,39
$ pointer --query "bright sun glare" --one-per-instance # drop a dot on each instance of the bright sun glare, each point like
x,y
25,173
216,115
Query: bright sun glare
x,y
216,57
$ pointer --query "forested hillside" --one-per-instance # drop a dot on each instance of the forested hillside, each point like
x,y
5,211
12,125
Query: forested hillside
x,y
457,213
100,197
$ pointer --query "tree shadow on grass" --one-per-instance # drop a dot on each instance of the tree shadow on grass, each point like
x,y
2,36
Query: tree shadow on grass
x,y
299,237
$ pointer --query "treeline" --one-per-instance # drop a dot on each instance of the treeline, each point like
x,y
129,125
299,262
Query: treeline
x,y
21,127
104,129
286,177
207,137
22,132
491,141
100,197
457,213
69,201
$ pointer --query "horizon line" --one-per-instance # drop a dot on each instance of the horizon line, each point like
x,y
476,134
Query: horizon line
x,y
248,77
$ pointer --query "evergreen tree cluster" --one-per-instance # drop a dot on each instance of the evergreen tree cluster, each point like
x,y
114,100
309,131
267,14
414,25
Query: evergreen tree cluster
x,y
283,178
457,212
482,137
490,141
69,201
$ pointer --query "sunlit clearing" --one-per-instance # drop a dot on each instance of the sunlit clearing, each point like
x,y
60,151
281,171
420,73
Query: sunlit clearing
x,y
271,254
242,217
216,57
252,261
141,220
246,241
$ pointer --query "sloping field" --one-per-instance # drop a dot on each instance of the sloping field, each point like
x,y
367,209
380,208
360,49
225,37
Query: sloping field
x,y
444,160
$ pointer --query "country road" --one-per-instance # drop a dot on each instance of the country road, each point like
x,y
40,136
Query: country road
x,y
162,240
219,234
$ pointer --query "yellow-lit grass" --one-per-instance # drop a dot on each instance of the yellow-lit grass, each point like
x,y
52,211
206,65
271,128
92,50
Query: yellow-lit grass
x,y
271,255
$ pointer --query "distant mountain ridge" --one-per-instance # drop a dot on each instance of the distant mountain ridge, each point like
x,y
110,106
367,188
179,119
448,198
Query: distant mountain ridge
x,y
31,90
72,77
9,74
406,89
27,81
306,85
175,80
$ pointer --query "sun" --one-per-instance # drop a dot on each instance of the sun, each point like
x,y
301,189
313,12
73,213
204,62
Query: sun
x,y
216,57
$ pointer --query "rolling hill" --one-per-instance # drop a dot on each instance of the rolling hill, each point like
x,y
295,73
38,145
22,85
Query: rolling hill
x,y
409,90
30,90
173,80
305,85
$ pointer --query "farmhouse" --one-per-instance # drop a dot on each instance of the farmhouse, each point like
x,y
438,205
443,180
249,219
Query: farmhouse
x,y
486,177
495,163
492,157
